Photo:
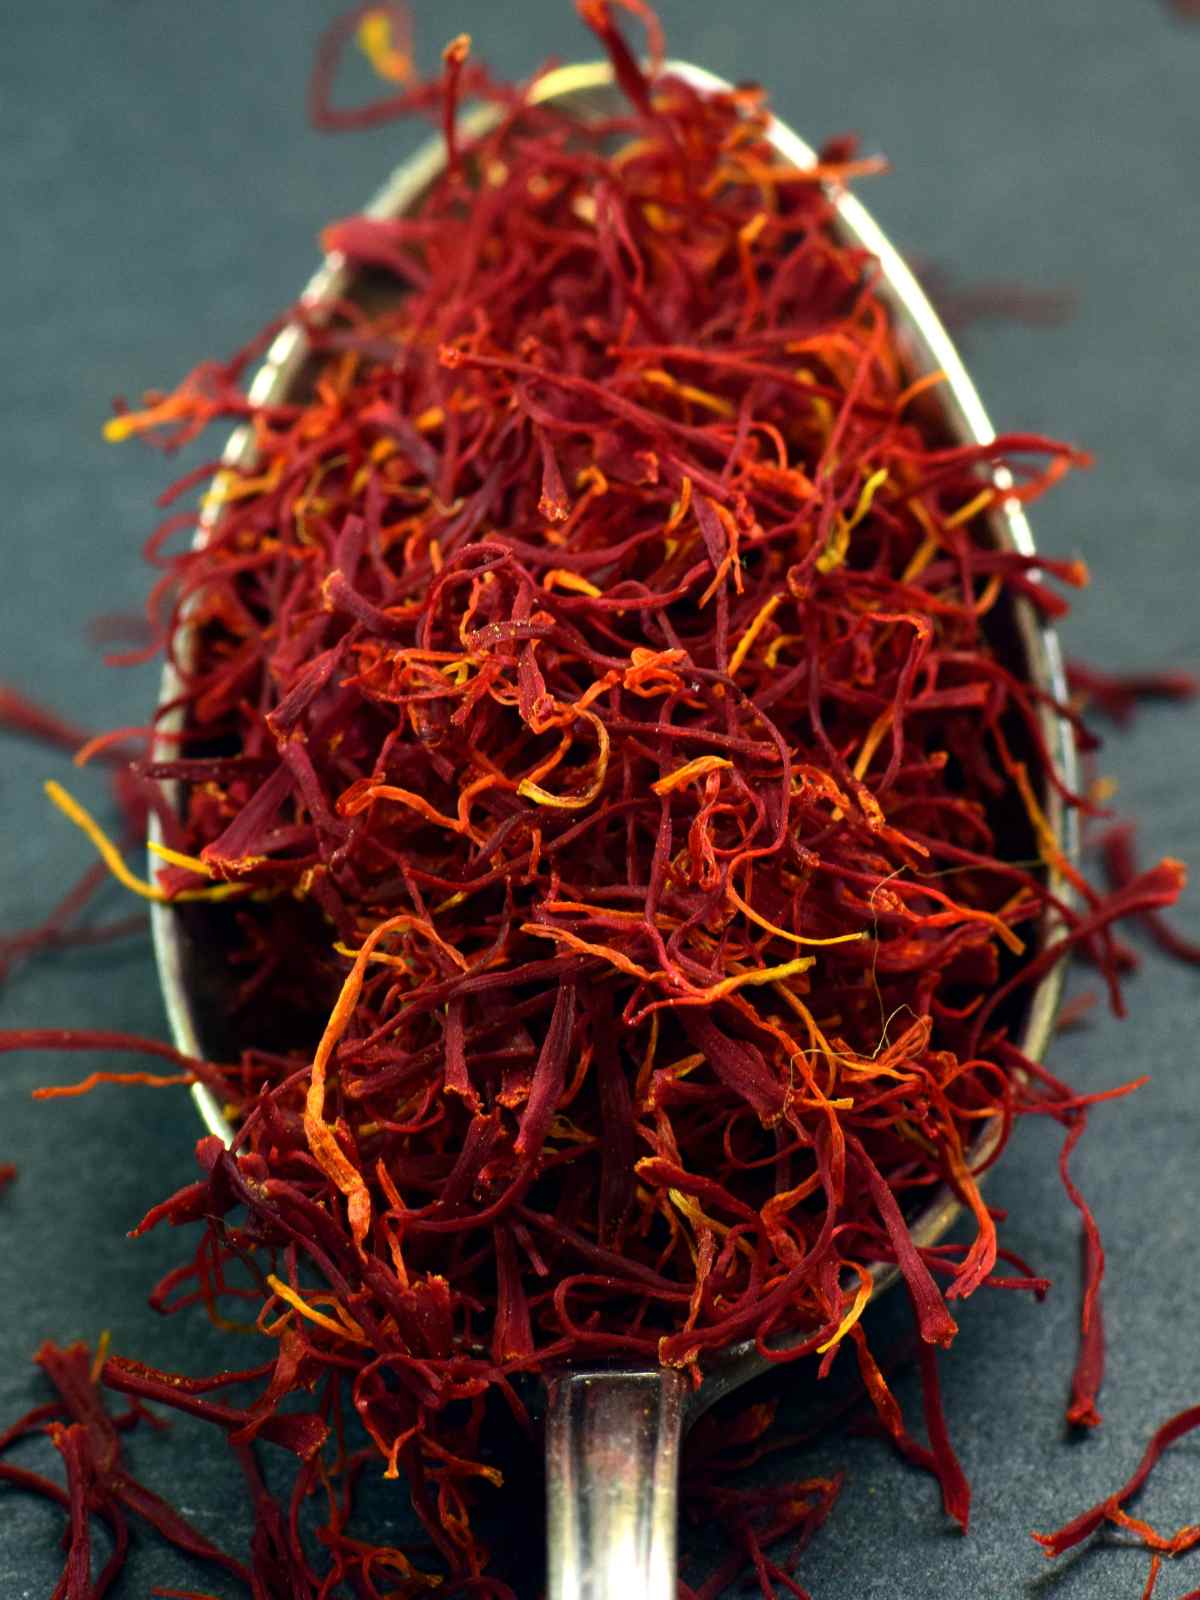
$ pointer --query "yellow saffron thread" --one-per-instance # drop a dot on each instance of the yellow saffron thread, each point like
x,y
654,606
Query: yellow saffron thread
x,y
561,578
530,790
838,545
376,43
748,910
177,858
691,770
856,1310
746,643
115,862
964,513
344,1330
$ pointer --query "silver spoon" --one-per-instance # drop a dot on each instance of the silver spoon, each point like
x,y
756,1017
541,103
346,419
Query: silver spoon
x,y
613,1436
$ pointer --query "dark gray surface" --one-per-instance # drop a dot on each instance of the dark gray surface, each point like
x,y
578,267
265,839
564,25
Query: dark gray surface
x,y
162,195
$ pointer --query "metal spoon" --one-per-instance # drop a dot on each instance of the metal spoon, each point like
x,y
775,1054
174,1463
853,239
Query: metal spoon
x,y
613,1436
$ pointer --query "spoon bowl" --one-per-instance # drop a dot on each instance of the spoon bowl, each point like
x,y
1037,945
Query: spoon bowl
x,y
613,1435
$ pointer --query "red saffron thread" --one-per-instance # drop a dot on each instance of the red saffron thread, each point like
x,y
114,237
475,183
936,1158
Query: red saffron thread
x,y
1118,695
1120,864
1111,1509
98,1483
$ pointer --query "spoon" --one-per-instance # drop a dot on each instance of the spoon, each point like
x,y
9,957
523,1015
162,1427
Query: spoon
x,y
613,1436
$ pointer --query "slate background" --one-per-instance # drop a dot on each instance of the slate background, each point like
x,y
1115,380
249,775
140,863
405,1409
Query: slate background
x,y
161,195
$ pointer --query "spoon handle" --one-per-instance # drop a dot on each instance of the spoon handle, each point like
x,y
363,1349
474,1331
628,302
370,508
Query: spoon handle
x,y
612,1477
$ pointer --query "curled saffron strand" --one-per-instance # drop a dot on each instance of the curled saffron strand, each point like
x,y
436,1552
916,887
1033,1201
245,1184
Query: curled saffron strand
x,y
1112,1509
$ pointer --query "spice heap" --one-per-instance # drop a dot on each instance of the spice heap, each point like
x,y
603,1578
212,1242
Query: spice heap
x,y
597,727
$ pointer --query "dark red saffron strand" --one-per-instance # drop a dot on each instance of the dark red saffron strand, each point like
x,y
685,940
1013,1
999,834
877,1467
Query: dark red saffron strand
x,y
956,1491
1118,695
597,736
61,929
962,305
51,935
98,1483
1073,1013
1120,865
1111,1509
1089,1366
20,715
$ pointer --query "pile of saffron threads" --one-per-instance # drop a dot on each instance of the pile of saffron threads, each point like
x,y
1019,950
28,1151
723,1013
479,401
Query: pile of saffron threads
x,y
595,732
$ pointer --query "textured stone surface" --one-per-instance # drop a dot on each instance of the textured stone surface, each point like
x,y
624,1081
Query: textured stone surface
x,y
162,196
